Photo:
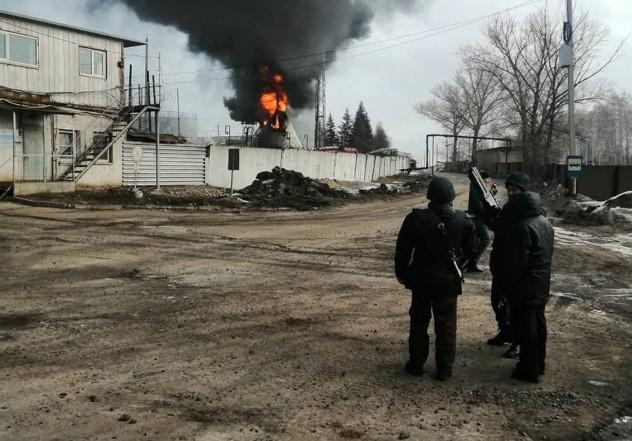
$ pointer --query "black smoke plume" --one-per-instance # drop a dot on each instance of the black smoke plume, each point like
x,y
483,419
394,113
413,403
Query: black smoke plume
x,y
283,35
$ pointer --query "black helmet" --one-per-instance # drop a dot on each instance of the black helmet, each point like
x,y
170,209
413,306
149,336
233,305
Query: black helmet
x,y
441,191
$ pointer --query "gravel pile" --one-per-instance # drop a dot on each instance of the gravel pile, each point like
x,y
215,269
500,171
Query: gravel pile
x,y
288,188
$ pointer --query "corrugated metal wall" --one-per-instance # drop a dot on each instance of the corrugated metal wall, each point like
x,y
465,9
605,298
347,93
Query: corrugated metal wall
x,y
180,164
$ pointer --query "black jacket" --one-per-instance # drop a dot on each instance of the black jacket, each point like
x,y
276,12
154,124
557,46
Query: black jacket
x,y
475,205
422,258
523,249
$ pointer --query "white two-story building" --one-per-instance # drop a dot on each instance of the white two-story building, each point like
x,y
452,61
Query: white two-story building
x,y
64,102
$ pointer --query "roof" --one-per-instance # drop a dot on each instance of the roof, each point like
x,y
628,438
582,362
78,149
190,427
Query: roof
x,y
127,42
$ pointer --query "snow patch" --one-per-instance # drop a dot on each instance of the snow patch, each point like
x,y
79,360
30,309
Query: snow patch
x,y
598,383
620,243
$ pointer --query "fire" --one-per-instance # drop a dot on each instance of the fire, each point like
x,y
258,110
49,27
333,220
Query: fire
x,y
274,102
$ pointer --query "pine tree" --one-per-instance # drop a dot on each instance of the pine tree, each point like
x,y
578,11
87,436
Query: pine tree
x,y
362,132
344,130
331,137
381,139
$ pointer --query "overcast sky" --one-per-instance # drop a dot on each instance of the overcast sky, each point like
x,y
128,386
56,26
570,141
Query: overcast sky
x,y
390,82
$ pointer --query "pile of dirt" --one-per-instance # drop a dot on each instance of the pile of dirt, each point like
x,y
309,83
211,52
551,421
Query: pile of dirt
x,y
288,188
171,196
275,189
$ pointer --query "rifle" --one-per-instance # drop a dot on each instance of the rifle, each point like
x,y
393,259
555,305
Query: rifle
x,y
456,267
488,198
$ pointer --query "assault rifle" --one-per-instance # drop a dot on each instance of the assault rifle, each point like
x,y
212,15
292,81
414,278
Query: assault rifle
x,y
489,200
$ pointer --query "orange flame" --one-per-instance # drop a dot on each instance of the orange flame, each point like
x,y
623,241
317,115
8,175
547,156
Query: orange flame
x,y
273,101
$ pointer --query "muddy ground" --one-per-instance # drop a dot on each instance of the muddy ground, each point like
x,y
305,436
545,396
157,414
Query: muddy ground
x,y
152,325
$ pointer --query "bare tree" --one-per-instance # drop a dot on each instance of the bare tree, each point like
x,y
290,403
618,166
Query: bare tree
x,y
445,108
523,57
606,128
482,97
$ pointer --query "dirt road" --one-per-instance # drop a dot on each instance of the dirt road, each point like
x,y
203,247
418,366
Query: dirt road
x,y
150,325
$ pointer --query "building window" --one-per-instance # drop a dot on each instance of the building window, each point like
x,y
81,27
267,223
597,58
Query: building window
x,y
100,140
66,144
91,62
17,48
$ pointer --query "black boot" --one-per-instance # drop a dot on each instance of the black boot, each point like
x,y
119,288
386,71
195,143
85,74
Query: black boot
x,y
498,340
512,352
474,268
414,369
444,374
519,374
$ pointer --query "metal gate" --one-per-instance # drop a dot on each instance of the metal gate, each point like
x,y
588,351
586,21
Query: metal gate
x,y
180,164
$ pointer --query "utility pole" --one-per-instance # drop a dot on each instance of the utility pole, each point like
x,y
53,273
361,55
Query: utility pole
x,y
568,39
178,101
321,104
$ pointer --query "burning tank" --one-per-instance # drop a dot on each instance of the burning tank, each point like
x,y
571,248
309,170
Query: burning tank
x,y
275,129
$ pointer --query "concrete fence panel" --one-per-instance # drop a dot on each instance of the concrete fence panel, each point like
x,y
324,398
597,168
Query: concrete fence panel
x,y
314,164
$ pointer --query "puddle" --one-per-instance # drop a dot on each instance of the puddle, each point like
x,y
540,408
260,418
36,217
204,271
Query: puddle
x,y
18,320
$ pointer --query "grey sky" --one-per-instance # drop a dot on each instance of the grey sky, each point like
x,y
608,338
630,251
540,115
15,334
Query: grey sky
x,y
390,82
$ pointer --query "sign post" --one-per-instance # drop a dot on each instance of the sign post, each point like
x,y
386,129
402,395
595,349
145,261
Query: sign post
x,y
574,166
233,164
137,155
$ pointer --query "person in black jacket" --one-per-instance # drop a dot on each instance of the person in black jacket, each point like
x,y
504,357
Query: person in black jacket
x,y
424,264
478,210
501,278
529,237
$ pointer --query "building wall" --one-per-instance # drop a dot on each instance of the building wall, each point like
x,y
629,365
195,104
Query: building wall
x,y
314,164
105,174
492,160
58,69
32,146
51,165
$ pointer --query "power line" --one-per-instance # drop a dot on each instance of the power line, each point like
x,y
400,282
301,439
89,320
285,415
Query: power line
x,y
432,31
443,29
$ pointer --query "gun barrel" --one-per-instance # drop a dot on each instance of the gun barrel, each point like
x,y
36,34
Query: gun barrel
x,y
476,178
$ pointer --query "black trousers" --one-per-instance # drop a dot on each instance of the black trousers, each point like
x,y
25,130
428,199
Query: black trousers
x,y
529,324
501,308
422,309
482,233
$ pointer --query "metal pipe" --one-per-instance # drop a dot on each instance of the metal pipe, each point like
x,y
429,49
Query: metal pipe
x,y
157,150
571,92
427,137
14,141
178,102
148,99
153,86
131,98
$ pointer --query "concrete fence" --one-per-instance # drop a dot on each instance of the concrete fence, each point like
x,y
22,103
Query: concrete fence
x,y
314,164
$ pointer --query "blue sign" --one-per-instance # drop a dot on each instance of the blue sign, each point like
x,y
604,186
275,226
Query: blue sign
x,y
574,165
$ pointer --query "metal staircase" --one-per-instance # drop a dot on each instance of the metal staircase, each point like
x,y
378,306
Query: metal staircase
x,y
121,123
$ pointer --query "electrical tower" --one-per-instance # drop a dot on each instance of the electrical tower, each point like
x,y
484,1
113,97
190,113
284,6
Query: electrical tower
x,y
320,111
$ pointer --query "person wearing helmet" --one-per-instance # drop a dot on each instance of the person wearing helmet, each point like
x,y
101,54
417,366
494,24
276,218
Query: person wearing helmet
x,y
427,244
